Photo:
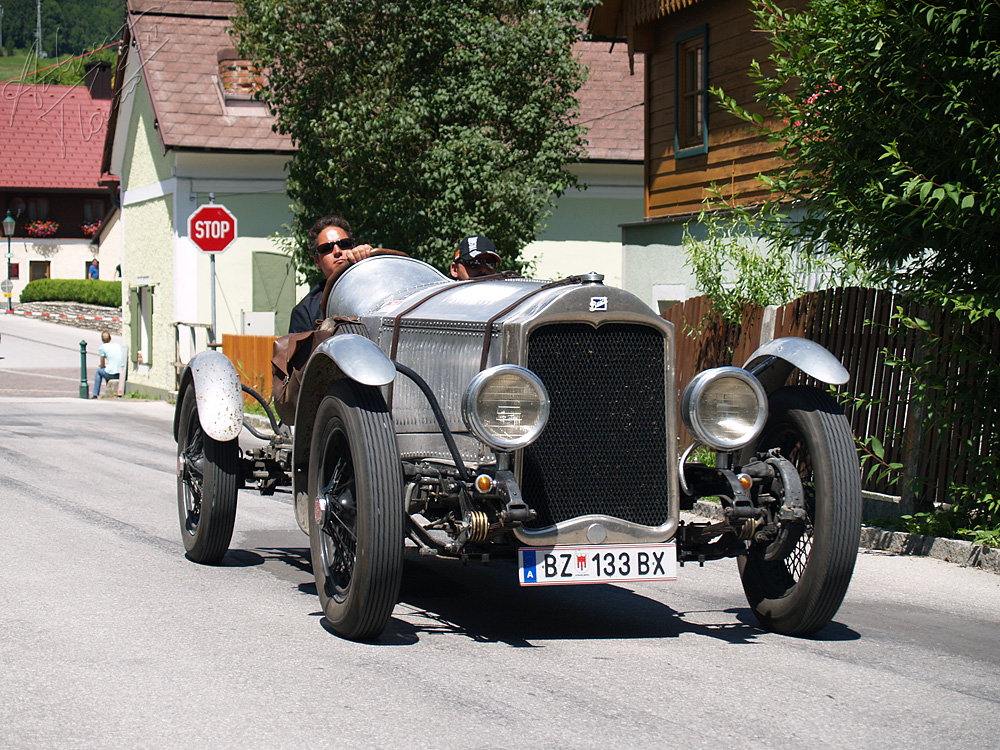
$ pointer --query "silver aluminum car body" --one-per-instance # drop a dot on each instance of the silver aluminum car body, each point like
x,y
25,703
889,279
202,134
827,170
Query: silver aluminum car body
x,y
438,328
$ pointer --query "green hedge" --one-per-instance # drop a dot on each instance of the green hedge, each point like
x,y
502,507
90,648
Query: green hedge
x,y
89,291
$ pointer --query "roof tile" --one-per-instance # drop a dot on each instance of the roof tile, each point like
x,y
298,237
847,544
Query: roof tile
x,y
51,137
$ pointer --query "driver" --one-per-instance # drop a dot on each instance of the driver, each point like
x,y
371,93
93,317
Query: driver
x,y
332,245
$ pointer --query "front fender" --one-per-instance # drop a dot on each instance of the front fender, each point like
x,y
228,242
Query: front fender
x,y
345,355
772,363
218,395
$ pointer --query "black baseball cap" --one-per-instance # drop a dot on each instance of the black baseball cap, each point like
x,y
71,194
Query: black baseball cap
x,y
474,248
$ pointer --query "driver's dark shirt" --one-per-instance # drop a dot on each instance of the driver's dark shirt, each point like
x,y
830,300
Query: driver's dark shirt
x,y
305,313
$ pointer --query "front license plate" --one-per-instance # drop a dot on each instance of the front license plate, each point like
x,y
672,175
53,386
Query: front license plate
x,y
597,563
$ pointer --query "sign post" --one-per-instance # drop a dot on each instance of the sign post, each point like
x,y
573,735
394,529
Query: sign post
x,y
212,228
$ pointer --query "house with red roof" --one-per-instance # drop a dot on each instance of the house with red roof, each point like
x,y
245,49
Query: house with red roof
x,y
51,182
185,131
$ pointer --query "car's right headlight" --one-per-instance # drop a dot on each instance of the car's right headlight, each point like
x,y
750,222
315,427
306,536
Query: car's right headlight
x,y
724,408
506,407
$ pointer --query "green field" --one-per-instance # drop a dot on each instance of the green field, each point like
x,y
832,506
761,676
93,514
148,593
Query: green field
x,y
16,65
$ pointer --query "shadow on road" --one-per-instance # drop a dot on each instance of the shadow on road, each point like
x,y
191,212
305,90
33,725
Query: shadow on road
x,y
485,604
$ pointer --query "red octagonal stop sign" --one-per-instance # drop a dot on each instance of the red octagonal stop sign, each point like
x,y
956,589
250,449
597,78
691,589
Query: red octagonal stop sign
x,y
212,228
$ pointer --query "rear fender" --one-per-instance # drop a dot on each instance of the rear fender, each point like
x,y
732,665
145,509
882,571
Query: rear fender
x,y
345,355
774,362
218,394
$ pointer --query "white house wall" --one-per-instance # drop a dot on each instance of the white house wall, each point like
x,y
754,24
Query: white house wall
x,y
584,233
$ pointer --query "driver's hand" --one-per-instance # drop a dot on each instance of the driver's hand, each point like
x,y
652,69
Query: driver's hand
x,y
358,252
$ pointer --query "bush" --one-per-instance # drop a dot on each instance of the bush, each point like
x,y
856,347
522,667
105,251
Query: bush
x,y
88,291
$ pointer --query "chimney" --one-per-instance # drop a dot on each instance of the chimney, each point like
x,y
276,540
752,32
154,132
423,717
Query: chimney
x,y
99,79
240,78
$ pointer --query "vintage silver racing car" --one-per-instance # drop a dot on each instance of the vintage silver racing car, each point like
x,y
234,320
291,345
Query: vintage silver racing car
x,y
537,421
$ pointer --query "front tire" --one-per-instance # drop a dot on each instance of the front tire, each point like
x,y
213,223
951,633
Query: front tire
x,y
356,523
796,584
207,472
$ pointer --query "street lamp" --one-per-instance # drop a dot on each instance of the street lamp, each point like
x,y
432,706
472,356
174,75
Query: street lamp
x,y
9,224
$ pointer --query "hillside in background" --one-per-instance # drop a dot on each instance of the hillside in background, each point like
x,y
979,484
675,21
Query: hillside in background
x,y
69,27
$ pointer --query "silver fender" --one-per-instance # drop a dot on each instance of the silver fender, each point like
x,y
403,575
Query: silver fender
x,y
218,395
774,361
359,359
345,355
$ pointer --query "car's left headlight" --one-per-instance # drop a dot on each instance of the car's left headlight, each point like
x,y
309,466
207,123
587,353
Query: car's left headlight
x,y
506,407
724,408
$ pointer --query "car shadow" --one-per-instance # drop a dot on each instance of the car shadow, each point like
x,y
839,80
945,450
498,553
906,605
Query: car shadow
x,y
485,603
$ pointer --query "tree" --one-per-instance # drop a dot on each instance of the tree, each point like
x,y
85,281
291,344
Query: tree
x,y
421,121
887,117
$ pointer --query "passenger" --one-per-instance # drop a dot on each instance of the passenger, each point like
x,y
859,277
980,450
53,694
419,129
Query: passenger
x,y
475,256
332,245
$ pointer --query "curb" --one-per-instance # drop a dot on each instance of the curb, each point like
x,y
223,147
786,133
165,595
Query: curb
x,y
957,551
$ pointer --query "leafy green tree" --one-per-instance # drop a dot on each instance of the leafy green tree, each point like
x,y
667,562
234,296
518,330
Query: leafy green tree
x,y
887,116
421,121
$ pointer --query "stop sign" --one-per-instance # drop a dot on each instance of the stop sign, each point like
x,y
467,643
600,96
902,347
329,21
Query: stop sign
x,y
212,228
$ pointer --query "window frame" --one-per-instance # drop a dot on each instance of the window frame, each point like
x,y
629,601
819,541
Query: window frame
x,y
38,209
89,206
682,44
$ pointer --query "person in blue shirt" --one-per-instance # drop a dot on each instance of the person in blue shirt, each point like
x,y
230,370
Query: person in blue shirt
x,y
92,270
112,356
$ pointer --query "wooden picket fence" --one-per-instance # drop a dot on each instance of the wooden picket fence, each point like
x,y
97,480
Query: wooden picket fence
x,y
855,324
252,357
852,323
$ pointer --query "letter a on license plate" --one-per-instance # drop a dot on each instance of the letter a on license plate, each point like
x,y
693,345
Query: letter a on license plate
x,y
598,563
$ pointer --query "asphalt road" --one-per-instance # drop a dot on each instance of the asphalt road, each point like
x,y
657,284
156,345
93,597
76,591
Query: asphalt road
x,y
111,638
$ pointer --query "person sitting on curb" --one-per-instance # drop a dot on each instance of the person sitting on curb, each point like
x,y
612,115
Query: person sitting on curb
x,y
475,256
111,363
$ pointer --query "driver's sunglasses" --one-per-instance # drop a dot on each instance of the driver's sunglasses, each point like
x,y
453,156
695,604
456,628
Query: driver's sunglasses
x,y
327,247
478,264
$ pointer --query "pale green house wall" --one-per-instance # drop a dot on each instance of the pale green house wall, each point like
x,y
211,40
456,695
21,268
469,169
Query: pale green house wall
x,y
147,237
584,232
159,193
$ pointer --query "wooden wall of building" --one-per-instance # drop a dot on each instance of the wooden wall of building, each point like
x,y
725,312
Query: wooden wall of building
x,y
735,155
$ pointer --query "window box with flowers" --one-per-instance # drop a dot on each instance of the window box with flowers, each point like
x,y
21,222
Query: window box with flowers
x,y
42,228
89,230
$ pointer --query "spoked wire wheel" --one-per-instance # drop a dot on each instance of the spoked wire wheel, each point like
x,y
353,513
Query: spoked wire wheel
x,y
356,526
207,485
796,583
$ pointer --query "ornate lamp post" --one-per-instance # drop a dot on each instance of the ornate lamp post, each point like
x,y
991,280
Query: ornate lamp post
x,y
9,224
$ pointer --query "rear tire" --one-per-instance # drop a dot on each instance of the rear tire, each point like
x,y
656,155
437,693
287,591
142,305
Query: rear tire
x,y
356,521
796,585
207,474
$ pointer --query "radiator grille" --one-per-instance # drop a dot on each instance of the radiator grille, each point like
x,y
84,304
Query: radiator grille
x,y
604,450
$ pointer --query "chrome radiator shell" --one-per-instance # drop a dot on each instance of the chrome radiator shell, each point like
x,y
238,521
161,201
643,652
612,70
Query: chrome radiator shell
x,y
441,335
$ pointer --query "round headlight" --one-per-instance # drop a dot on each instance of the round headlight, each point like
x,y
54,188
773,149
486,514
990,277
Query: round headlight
x,y
724,408
506,407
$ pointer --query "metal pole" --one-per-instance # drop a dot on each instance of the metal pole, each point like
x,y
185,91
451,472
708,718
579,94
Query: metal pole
x,y
211,199
212,276
83,370
10,297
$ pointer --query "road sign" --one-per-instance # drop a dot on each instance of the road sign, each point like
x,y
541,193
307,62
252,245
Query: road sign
x,y
6,286
212,228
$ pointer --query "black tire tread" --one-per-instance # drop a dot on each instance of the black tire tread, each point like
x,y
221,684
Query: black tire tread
x,y
365,415
210,540
815,599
